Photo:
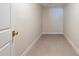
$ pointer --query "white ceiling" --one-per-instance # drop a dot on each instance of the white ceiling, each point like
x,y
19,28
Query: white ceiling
x,y
52,4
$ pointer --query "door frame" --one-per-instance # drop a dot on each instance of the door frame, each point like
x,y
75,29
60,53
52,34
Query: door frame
x,y
12,29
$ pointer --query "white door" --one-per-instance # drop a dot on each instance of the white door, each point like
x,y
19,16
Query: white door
x,y
5,30
56,18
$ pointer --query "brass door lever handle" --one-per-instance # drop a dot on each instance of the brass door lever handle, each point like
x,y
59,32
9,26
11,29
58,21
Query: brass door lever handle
x,y
14,33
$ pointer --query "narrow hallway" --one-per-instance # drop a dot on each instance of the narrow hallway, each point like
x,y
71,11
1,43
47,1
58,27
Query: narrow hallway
x,y
39,29
52,45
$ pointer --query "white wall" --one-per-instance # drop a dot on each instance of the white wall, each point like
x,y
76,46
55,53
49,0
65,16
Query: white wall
x,y
28,23
71,24
52,21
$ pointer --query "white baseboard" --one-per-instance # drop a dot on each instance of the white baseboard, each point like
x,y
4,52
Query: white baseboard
x,y
72,44
31,45
52,33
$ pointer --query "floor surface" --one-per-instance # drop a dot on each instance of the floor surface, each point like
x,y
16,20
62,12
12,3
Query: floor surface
x,y
52,45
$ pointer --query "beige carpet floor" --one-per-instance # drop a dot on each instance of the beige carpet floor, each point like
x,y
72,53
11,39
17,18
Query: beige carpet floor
x,y
52,45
